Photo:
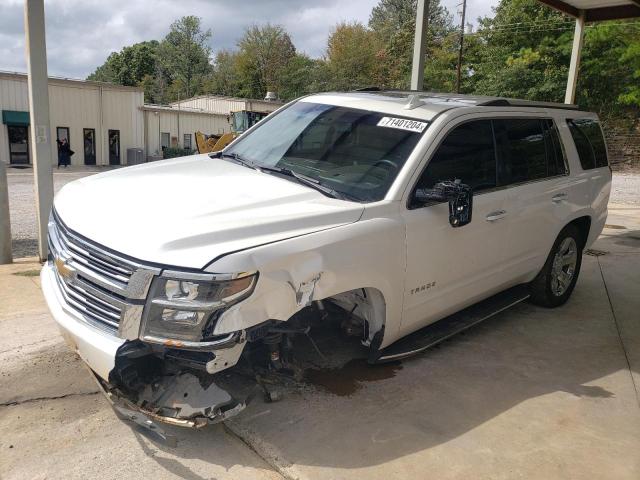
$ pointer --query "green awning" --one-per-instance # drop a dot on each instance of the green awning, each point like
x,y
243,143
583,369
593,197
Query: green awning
x,y
11,117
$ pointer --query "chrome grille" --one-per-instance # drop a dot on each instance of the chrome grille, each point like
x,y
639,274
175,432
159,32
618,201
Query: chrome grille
x,y
102,288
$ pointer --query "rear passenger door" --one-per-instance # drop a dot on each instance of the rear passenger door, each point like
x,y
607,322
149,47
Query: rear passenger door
x,y
532,170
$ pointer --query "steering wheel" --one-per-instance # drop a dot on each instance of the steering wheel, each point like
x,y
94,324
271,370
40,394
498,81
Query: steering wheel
x,y
385,161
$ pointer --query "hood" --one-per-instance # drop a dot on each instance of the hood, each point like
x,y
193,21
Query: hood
x,y
188,211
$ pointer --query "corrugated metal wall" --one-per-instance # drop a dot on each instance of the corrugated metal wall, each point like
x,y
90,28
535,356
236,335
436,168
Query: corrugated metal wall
x,y
226,105
77,105
166,121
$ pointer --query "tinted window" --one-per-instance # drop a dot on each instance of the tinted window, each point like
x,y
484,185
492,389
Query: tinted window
x,y
467,153
555,153
522,153
587,135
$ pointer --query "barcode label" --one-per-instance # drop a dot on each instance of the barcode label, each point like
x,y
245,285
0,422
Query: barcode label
x,y
402,124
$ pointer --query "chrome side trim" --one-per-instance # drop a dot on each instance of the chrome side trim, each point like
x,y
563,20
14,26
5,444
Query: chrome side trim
x,y
226,341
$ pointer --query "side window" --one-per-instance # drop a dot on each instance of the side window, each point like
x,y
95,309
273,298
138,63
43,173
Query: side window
x,y
467,153
521,150
556,161
587,135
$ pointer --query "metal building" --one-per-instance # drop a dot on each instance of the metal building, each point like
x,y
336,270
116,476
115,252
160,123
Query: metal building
x,y
109,124
225,105
99,120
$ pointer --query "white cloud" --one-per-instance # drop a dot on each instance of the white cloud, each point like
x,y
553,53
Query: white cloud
x,y
82,33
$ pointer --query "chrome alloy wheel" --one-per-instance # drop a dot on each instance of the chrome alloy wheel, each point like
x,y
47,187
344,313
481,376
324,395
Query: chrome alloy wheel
x,y
564,266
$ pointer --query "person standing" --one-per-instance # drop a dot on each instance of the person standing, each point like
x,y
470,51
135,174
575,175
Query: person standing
x,y
64,153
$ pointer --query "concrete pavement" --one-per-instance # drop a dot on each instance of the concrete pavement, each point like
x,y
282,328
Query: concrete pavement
x,y
531,393
54,423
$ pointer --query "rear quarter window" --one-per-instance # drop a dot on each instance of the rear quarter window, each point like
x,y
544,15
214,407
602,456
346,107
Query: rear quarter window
x,y
589,141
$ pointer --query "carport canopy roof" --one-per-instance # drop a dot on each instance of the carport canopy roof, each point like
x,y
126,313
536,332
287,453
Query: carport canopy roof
x,y
597,10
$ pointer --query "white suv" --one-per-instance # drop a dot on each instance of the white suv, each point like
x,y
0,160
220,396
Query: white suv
x,y
411,216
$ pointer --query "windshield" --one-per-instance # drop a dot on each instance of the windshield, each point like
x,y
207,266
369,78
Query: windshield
x,y
356,153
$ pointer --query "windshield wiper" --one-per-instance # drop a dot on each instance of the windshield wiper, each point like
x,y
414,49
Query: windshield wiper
x,y
238,159
308,181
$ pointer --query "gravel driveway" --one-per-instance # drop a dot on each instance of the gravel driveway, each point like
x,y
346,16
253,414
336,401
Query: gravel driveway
x,y
625,189
23,209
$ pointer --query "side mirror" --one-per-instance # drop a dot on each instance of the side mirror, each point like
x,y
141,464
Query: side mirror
x,y
459,196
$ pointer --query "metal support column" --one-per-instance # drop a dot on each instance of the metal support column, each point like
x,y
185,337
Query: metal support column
x,y
41,147
5,218
574,66
419,45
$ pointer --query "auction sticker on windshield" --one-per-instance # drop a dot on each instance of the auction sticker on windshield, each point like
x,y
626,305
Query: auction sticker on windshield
x,y
402,124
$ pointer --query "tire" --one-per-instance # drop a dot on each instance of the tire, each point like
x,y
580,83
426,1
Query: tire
x,y
557,279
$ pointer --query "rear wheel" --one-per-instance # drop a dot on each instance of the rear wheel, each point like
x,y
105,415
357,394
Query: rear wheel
x,y
557,279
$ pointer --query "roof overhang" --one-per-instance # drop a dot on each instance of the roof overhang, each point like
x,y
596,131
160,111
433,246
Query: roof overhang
x,y
597,10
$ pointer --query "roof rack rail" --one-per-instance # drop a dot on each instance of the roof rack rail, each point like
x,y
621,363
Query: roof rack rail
x,y
372,88
509,102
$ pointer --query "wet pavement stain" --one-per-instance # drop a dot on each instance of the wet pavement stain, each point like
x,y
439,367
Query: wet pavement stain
x,y
615,227
347,379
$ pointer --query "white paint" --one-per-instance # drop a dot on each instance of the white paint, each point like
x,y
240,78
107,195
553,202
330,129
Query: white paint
x,y
574,66
199,212
419,45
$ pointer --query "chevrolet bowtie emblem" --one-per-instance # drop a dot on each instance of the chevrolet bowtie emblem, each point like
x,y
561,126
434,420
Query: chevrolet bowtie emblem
x,y
64,270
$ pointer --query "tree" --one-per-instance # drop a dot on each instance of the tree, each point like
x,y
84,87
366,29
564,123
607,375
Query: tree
x,y
351,56
264,52
524,51
128,66
303,75
225,77
393,22
184,56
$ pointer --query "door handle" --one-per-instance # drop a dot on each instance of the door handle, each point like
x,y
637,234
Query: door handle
x,y
559,197
497,215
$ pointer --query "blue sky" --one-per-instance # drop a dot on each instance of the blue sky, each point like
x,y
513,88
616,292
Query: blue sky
x,y
82,33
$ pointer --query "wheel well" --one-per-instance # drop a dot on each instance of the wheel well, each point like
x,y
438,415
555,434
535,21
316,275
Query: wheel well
x,y
367,303
584,226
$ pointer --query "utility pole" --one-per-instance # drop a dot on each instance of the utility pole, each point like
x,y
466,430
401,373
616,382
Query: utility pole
x,y
36,50
464,11
419,47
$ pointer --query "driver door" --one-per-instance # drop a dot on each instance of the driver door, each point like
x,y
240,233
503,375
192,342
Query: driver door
x,y
451,268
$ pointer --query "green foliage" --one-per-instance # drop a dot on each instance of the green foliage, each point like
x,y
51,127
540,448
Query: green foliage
x,y
631,92
522,51
225,77
129,66
168,70
393,23
172,152
263,54
351,56
183,56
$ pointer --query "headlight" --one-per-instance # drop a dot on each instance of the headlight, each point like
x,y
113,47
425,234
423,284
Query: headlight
x,y
184,307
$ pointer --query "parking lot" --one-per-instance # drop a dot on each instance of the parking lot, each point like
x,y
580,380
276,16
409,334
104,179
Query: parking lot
x,y
531,393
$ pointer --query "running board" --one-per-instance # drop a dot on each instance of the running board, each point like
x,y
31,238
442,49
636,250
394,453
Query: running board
x,y
436,332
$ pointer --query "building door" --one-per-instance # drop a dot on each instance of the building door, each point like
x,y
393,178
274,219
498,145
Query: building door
x,y
89,135
114,147
18,145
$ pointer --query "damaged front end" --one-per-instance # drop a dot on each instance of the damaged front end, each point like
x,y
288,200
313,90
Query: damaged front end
x,y
158,383
172,386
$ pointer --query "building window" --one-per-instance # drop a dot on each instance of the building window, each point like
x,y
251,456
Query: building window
x,y
186,143
164,140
